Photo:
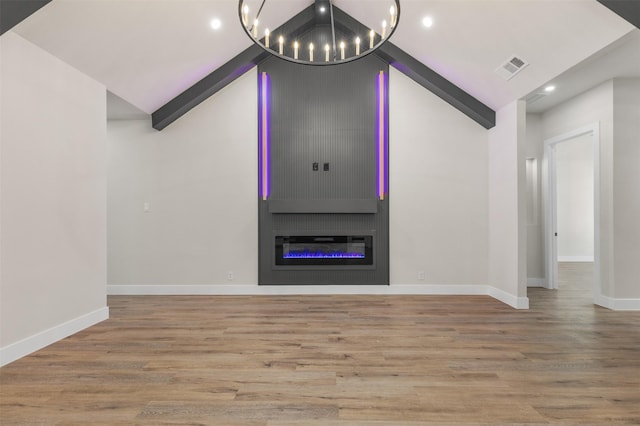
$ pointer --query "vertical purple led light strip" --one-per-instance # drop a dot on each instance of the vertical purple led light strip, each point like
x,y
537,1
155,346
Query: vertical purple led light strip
x,y
263,125
381,135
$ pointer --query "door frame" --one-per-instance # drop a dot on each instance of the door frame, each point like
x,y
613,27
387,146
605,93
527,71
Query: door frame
x,y
549,186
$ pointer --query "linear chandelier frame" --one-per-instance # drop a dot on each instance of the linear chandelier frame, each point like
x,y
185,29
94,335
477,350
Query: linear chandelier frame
x,y
284,45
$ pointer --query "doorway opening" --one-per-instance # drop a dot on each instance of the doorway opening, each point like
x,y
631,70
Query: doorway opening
x,y
572,226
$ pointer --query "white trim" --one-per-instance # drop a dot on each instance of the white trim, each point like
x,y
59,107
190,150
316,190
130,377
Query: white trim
x,y
281,290
618,304
255,290
549,195
181,289
30,344
537,282
442,290
508,298
575,258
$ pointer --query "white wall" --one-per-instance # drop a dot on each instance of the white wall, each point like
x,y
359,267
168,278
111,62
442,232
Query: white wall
x,y
626,185
199,178
575,193
438,189
53,194
535,216
507,204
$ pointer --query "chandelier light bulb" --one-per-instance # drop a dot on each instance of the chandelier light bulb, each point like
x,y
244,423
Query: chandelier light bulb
x,y
266,37
310,52
255,29
372,36
295,49
326,52
392,12
342,46
384,29
357,46
245,15
281,41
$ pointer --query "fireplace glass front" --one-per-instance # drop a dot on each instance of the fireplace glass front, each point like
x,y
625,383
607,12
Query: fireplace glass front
x,y
303,250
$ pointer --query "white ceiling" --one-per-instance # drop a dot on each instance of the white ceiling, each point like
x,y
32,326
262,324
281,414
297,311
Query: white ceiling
x,y
619,60
149,51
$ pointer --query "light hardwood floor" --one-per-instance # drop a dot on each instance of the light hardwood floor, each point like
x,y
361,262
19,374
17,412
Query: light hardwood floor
x,y
325,360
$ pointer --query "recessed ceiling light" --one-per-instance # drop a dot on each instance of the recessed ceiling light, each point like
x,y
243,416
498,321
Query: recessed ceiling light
x,y
549,89
322,9
427,21
215,24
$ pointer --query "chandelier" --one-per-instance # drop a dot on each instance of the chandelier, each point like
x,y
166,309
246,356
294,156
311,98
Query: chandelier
x,y
322,34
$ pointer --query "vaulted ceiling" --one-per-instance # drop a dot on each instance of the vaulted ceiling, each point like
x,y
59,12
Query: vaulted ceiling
x,y
147,52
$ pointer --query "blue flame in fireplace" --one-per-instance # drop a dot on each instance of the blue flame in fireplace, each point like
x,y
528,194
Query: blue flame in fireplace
x,y
308,254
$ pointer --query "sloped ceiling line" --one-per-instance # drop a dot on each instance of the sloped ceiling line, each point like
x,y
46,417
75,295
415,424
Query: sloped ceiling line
x,y
428,78
388,52
226,74
438,85
207,87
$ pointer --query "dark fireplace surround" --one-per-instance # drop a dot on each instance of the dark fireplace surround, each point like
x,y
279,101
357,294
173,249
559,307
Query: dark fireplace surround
x,y
322,219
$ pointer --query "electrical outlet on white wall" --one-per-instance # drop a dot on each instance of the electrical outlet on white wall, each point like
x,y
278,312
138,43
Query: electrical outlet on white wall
x,y
421,275
230,276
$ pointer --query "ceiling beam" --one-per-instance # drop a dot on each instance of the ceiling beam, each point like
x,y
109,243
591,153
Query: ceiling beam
x,y
12,12
627,9
226,74
208,86
440,86
426,77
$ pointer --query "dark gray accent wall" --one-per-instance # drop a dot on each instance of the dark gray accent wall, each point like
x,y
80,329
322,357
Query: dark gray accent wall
x,y
331,205
323,115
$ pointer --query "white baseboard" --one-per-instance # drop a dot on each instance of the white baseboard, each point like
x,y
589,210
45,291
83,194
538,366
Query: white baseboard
x,y
617,304
28,345
537,282
438,290
279,290
575,258
182,289
509,299
282,290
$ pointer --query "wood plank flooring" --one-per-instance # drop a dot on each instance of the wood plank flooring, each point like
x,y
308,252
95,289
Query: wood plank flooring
x,y
334,360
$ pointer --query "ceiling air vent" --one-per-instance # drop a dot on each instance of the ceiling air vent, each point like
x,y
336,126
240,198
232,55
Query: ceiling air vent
x,y
511,67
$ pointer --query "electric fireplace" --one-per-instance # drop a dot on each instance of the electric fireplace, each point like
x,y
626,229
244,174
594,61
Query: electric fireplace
x,y
302,250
